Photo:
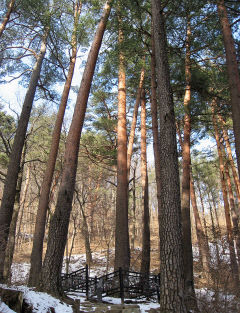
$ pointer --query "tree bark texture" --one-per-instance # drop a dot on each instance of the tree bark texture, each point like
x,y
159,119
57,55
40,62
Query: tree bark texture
x,y
36,255
58,229
145,261
122,248
9,191
7,17
171,245
233,260
233,75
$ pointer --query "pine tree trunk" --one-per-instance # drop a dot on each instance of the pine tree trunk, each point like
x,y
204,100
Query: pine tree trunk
x,y
36,255
7,17
233,75
145,261
9,191
155,126
171,253
122,249
190,298
134,209
233,260
58,229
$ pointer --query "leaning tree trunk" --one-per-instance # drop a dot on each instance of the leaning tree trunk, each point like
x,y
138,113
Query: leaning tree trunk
x,y
58,229
171,253
233,75
7,17
233,259
122,248
145,261
36,256
9,191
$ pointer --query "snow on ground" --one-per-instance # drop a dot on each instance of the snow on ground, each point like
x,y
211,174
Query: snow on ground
x,y
40,301
4,308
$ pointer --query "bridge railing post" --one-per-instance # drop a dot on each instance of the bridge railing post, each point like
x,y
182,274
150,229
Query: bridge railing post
x,y
121,285
87,284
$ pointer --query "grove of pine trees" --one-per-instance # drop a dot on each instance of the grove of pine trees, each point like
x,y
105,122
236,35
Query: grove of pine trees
x,y
127,140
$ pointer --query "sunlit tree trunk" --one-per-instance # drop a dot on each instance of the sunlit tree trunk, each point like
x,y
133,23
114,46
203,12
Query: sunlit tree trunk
x,y
58,229
9,191
36,255
233,75
7,17
122,249
171,253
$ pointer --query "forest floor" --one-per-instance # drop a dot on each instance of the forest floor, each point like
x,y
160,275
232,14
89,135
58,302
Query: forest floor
x,y
212,298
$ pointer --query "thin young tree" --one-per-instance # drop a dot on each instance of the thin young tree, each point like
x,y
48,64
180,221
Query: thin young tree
x,y
171,253
145,260
58,229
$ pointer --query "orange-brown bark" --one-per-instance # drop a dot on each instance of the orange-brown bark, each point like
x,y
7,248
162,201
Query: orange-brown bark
x,y
122,248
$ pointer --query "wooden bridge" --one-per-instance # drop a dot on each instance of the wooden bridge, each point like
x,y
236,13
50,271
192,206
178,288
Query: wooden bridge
x,y
123,284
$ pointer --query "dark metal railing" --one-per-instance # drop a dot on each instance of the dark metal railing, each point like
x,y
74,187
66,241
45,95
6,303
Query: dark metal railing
x,y
121,283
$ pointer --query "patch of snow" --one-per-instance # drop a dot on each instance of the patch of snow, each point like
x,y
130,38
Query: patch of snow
x,y
144,307
42,302
5,309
